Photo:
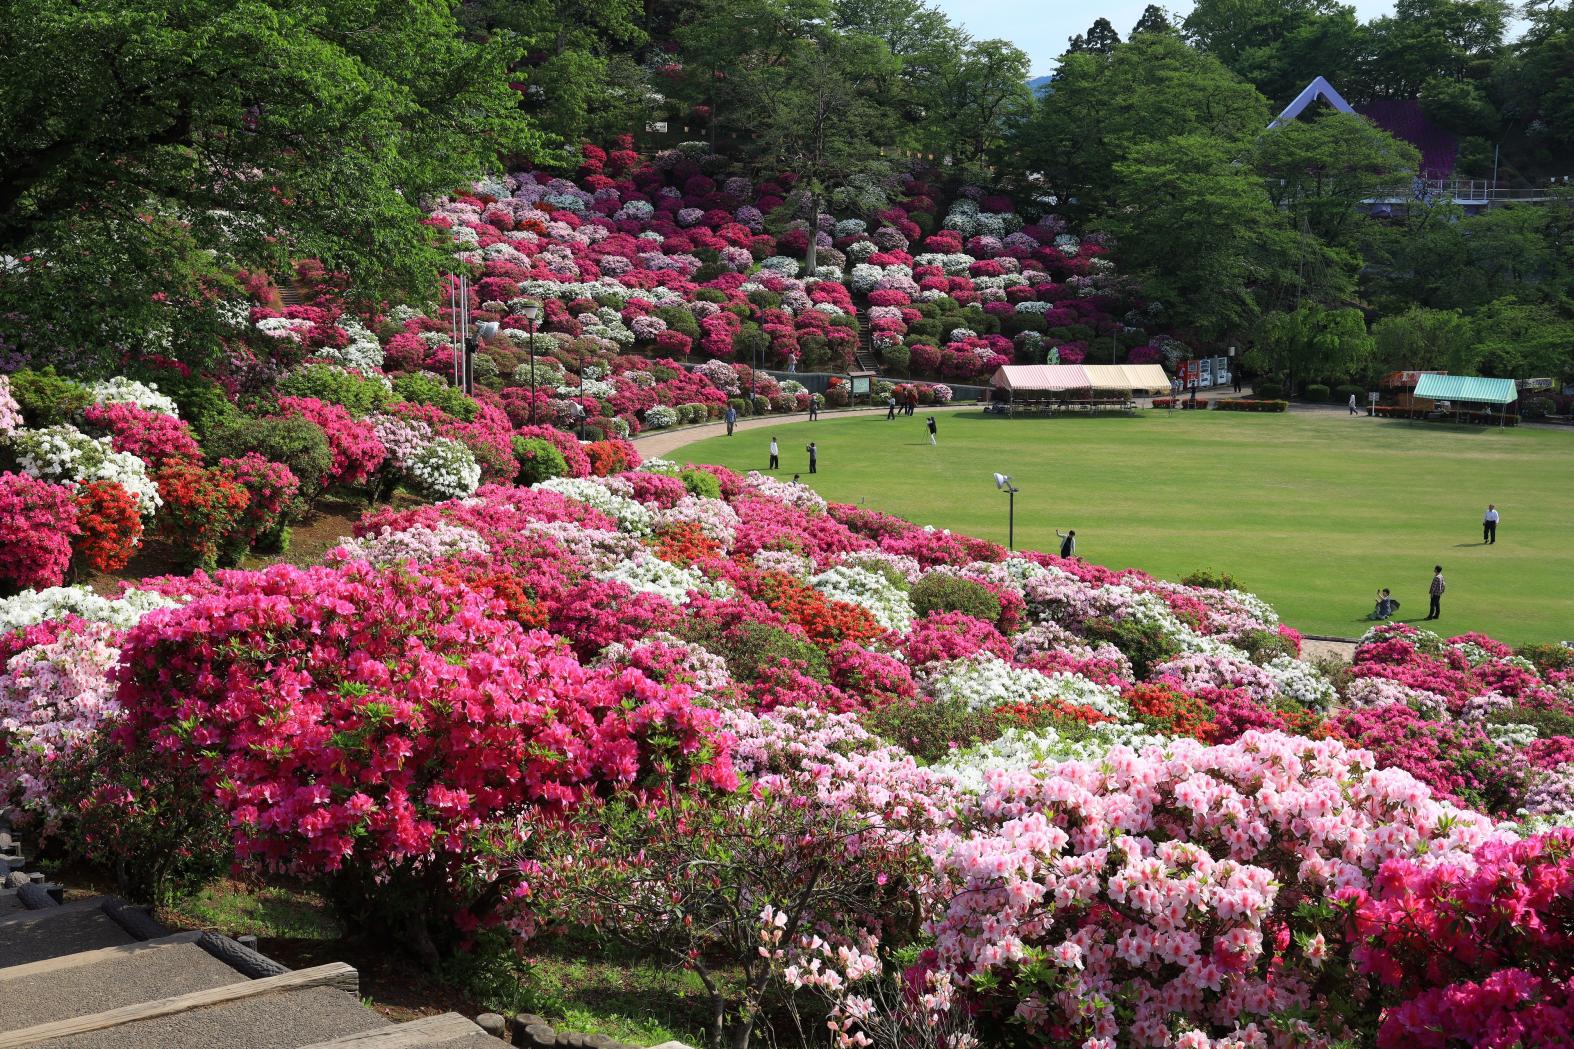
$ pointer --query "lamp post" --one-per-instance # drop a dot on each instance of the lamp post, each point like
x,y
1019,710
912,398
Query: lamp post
x,y
532,310
1003,482
482,330
581,412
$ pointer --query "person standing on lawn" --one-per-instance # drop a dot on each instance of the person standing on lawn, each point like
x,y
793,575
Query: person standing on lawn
x,y
776,459
1353,409
890,407
1489,524
732,419
814,457
814,407
1068,543
1438,586
933,430
912,400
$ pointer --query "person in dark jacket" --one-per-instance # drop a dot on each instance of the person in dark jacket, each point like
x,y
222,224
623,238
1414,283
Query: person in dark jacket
x,y
814,407
732,419
1068,543
933,431
814,457
1436,593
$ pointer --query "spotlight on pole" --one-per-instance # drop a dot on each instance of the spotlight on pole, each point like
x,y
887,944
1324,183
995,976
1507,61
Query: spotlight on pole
x,y
1003,482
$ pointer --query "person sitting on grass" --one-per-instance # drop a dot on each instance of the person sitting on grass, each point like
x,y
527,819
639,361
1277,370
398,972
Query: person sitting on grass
x,y
1386,605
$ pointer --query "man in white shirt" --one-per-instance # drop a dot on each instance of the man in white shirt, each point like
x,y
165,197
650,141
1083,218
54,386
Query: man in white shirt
x,y
776,459
1489,525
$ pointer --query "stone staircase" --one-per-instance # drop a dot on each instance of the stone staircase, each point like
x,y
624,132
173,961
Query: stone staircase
x,y
867,360
100,974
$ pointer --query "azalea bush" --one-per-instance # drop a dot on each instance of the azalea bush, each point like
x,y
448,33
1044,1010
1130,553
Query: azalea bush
x,y
37,523
109,524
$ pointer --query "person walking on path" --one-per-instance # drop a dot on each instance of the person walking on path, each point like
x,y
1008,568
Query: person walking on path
x,y
933,430
1438,586
1235,380
814,457
1353,409
732,419
814,407
1489,524
1068,543
912,400
776,459
890,407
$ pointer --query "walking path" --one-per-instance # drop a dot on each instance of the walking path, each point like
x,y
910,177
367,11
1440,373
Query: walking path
x,y
661,443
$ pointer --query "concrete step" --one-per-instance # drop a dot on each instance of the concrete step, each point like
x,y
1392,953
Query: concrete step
x,y
279,1012
450,1030
110,978
31,936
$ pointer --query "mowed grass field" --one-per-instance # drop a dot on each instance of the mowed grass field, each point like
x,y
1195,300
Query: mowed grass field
x,y
1313,511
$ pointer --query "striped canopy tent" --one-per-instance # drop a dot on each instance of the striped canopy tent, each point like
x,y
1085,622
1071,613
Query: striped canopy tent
x,y
1128,378
1040,378
1462,392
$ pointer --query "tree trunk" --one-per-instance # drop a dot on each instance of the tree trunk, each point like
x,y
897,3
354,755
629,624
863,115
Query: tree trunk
x,y
810,255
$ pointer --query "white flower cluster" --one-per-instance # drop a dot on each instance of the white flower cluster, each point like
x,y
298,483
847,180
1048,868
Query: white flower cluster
x,y
785,561
647,573
1302,682
799,496
665,467
660,416
31,607
419,543
444,469
985,681
121,390
67,455
632,516
364,353
1019,749
869,590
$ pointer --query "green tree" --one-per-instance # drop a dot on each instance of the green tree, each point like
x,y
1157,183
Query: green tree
x,y
151,150
1427,339
1313,341
1524,340
1105,107
1279,46
1190,197
818,113
1100,39
1427,39
1320,167
1153,20
974,97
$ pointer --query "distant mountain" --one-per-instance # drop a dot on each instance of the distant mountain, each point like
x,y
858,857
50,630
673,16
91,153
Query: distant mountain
x,y
1040,85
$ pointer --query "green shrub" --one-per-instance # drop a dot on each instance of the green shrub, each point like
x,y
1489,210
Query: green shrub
x,y
930,729
1208,579
425,388
701,483
1538,407
836,397
539,460
943,593
681,320
1345,392
202,403
336,386
762,404
1251,406
1264,646
739,405
753,647
48,399
1144,644
1315,392
1548,658
1268,391
1548,723
295,442
897,358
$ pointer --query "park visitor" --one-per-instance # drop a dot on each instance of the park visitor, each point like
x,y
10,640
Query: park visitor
x,y
1068,543
932,430
1438,586
795,479
732,419
1386,605
1489,524
912,400
1353,409
776,459
814,407
890,407
814,457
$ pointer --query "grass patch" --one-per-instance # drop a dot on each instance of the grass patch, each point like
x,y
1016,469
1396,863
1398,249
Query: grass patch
x,y
267,911
1313,511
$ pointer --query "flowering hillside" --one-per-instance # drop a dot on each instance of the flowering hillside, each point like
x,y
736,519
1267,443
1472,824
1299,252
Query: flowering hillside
x,y
1060,804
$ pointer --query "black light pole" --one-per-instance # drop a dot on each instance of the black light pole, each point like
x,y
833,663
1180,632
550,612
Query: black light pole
x,y
532,310
482,330
1003,482
581,412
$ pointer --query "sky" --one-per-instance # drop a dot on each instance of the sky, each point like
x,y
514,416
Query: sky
x,y
1041,27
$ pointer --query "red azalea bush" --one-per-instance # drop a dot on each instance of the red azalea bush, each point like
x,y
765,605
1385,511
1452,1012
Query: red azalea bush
x,y
202,508
612,456
270,488
357,453
110,523
389,728
37,523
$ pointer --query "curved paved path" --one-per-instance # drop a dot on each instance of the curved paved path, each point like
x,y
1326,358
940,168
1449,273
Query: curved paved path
x,y
661,443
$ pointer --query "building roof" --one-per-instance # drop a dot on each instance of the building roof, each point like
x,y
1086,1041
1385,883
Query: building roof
x,y
1466,388
1318,88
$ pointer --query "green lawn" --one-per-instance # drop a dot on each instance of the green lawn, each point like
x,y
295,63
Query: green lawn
x,y
1312,511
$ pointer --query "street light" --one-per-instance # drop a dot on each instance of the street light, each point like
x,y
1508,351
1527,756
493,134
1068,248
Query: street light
x,y
531,311
483,330
581,404
1003,482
